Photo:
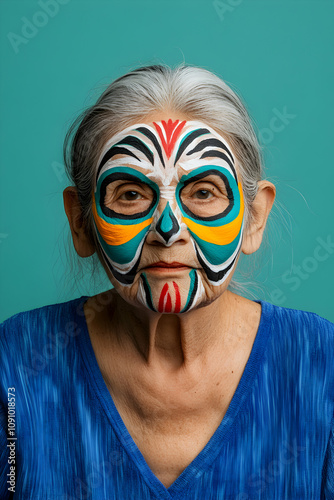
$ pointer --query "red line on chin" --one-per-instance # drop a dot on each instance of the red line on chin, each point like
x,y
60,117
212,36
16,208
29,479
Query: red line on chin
x,y
177,298
168,306
162,296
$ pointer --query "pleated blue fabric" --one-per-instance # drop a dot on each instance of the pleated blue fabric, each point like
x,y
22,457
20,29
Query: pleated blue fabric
x,y
276,440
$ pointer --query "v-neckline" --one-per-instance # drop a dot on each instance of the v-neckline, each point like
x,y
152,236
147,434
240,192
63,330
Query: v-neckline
x,y
208,454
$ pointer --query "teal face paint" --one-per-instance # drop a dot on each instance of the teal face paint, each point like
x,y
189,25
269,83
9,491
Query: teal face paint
x,y
218,236
140,187
121,235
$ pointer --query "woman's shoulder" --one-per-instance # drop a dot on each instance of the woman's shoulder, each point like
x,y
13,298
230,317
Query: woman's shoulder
x,y
277,317
300,333
33,322
34,342
298,317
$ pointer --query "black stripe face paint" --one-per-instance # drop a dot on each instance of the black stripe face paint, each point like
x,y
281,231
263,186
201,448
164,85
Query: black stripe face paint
x,y
159,183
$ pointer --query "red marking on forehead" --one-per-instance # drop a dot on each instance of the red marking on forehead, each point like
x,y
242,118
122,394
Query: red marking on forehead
x,y
172,131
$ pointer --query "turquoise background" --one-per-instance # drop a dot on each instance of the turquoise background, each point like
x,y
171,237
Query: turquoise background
x,y
276,54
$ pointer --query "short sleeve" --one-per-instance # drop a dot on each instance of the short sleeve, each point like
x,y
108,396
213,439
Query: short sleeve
x,y
328,468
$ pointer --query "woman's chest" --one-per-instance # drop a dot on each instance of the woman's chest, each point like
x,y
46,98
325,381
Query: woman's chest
x,y
171,428
169,447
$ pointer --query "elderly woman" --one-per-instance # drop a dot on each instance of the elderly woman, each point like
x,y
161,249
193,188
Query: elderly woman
x,y
167,386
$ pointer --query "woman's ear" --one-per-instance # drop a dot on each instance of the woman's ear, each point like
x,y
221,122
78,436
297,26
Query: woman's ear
x,y
262,205
81,242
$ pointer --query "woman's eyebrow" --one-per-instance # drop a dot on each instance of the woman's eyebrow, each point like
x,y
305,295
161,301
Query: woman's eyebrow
x,y
113,151
136,143
218,154
213,153
119,148
216,143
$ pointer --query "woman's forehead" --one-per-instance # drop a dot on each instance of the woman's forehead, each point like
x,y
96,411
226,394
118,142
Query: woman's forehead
x,y
162,148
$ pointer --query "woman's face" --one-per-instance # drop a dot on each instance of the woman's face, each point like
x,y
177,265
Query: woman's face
x,y
168,211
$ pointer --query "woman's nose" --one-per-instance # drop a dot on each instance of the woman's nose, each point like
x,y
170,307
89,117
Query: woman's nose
x,y
167,226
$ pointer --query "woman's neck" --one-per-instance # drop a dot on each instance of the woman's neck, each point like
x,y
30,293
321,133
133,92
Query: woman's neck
x,y
162,367
174,341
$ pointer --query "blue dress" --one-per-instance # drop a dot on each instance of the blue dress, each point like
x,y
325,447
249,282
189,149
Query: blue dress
x,y
65,439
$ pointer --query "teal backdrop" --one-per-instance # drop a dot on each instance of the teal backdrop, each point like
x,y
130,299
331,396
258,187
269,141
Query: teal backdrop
x,y
57,56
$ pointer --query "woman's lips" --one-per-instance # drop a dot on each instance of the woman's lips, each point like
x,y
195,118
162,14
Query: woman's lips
x,y
168,264
166,267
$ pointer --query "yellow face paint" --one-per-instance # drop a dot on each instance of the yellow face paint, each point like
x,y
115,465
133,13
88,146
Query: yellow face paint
x,y
221,235
118,234
156,156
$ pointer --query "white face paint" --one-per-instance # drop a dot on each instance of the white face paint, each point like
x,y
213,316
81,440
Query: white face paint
x,y
165,178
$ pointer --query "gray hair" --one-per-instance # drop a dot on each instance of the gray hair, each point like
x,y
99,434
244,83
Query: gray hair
x,y
194,92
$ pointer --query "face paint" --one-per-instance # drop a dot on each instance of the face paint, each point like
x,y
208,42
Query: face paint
x,y
167,164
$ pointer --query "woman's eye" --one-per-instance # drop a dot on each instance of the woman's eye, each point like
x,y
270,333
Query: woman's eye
x,y
130,196
203,194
